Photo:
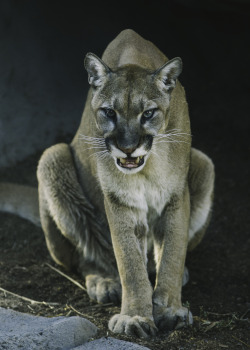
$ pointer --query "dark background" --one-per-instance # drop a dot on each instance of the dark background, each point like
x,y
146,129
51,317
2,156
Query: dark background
x,y
43,88
43,83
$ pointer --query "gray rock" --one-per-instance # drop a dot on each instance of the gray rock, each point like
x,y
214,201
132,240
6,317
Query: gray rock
x,y
110,344
27,332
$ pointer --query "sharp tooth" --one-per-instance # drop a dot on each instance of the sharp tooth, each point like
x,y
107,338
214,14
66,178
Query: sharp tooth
x,y
123,160
141,157
137,160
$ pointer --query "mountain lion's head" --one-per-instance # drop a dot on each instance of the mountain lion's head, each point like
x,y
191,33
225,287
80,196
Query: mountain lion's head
x,y
130,105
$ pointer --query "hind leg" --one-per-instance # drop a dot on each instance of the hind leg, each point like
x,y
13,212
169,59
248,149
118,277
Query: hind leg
x,y
62,204
74,238
201,186
61,250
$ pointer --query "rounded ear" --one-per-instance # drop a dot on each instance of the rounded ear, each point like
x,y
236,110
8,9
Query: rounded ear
x,y
97,70
169,72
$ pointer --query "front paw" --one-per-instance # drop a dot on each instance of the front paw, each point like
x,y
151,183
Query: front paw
x,y
172,318
103,290
136,326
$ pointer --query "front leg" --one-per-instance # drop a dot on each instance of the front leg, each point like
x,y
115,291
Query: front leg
x,y
128,240
171,238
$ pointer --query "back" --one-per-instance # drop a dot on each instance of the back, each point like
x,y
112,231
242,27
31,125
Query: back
x,y
130,48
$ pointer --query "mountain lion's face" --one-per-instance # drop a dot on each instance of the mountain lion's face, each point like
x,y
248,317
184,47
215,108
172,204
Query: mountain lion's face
x,y
130,106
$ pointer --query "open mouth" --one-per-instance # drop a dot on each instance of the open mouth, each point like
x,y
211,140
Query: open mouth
x,y
130,162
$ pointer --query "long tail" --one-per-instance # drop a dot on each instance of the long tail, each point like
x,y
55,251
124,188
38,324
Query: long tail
x,y
20,200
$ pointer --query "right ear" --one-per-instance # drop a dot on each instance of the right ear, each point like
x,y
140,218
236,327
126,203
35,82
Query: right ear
x,y
97,70
169,72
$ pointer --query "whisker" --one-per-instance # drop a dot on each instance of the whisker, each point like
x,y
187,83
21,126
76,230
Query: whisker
x,y
171,138
172,134
171,131
179,134
157,155
154,151
104,155
91,138
171,141
94,147
100,154
95,142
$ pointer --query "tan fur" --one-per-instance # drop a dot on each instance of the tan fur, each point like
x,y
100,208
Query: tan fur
x,y
115,224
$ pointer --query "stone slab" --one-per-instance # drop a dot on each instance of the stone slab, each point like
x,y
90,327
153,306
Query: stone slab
x,y
27,332
110,344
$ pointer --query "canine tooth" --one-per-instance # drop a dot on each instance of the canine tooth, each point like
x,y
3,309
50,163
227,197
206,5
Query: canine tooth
x,y
137,160
122,160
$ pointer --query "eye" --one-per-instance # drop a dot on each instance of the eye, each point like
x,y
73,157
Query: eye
x,y
149,113
109,113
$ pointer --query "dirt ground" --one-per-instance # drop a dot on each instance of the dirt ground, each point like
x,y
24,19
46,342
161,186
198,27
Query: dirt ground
x,y
219,289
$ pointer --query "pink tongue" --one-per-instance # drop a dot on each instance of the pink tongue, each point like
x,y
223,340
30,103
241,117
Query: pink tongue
x,y
130,165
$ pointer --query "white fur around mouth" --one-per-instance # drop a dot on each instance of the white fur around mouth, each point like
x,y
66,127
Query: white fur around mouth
x,y
130,162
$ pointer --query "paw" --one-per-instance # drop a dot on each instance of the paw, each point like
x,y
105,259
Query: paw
x,y
173,318
103,290
135,326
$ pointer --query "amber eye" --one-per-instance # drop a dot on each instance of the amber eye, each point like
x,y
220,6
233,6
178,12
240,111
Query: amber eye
x,y
149,113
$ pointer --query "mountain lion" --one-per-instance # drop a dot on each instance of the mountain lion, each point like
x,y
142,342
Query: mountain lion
x,y
129,196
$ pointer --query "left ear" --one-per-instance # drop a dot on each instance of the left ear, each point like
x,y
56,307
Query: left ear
x,y
169,72
97,70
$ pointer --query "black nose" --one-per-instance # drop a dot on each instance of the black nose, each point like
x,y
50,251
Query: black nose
x,y
127,142
127,150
